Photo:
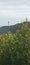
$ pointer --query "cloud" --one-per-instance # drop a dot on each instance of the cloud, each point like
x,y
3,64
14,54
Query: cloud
x,y
15,9
15,2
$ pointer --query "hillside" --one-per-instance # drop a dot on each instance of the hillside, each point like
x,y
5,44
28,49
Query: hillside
x,y
15,48
12,28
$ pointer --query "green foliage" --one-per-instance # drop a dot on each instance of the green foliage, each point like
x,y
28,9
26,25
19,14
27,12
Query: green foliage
x,y
15,48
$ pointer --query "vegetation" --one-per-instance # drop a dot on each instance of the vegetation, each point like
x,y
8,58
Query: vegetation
x,y
15,48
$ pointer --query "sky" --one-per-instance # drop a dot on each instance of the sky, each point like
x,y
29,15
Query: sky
x,y
14,11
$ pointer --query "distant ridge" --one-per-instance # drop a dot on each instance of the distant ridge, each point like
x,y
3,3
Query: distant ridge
x,y
12,28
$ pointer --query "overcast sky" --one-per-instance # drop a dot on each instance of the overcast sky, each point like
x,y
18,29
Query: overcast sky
x,y
14,11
